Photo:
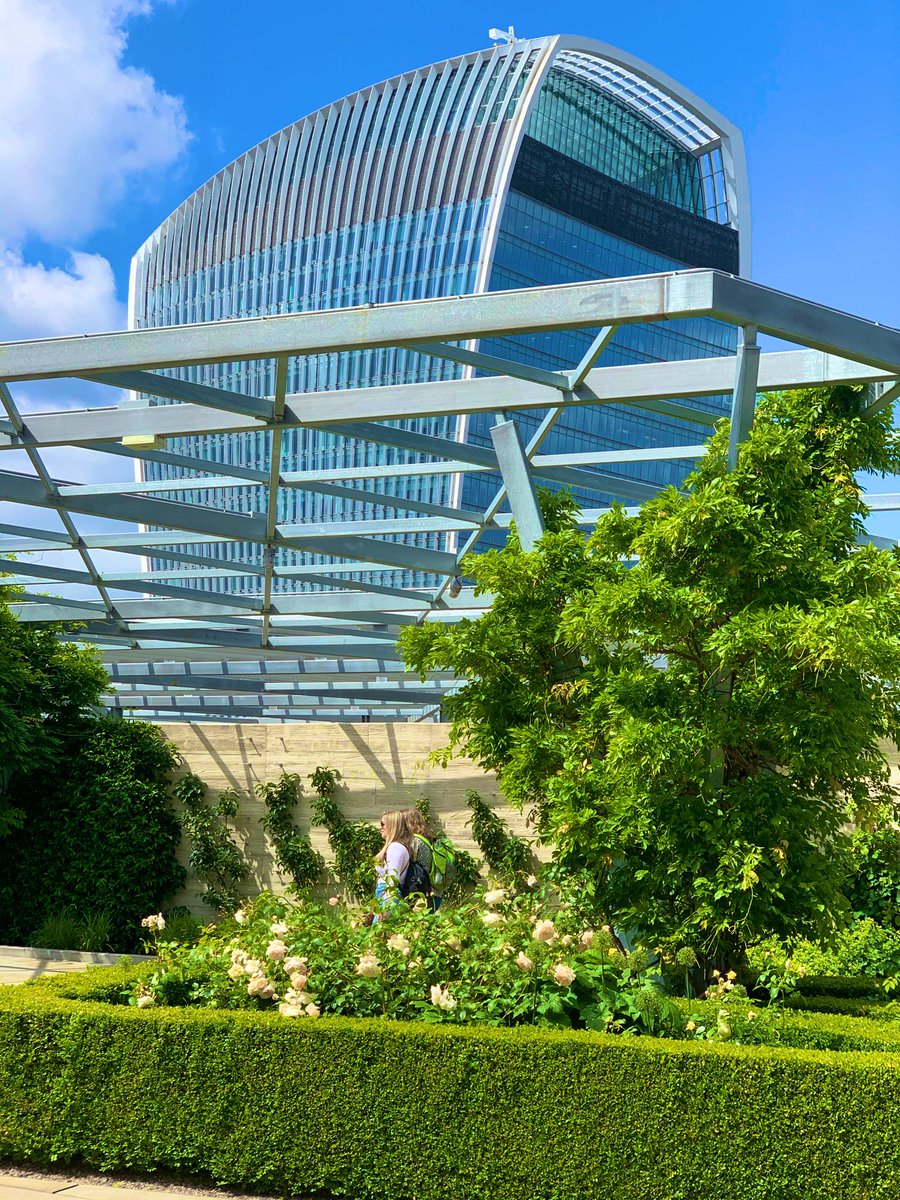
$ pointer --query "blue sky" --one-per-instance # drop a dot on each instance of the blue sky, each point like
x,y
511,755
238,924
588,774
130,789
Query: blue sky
x,y
814,87
113,111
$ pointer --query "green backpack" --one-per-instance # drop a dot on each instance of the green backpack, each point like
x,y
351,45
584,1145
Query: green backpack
x,y
443,864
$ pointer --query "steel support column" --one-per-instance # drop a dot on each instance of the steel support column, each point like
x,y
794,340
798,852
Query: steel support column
x,y
743,403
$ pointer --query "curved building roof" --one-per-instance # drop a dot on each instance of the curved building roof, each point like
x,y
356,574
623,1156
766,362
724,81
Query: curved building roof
x,y
535,162
439,135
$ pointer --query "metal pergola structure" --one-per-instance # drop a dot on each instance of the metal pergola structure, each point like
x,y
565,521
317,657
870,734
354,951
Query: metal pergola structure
x,y
177,653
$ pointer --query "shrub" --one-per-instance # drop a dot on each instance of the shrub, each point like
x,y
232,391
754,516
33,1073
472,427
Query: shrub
x,y
865,948
383,1110
99,836
873,889
850,987
182,926
498,961
67,930
507,855
59,931
843,1005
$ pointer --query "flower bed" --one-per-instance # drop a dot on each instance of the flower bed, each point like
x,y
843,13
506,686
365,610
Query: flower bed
x,y
396,1110
499,960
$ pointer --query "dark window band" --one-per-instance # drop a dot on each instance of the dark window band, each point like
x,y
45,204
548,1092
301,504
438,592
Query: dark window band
x,y
572,188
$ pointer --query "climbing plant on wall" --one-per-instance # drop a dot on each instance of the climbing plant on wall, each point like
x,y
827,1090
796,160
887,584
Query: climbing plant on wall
x,y
215,857
294,852
353,843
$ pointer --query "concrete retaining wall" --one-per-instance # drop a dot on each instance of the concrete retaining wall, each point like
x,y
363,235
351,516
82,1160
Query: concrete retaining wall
x,y
382,767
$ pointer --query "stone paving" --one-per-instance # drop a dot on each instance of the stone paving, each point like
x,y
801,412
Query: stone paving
x,y
16,967
33,1187
21,963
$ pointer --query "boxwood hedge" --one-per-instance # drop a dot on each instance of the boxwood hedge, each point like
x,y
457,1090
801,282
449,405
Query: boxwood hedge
x,y
850,987
840,1004
411,1111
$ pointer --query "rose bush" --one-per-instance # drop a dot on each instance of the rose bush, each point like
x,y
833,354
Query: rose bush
x,y
501,959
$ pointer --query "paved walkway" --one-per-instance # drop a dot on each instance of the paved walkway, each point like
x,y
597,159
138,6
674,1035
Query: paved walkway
x,y
21,963
33,1187
17,968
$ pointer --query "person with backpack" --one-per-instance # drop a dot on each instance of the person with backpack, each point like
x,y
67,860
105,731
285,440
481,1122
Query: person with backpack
x,y
393,859
434,857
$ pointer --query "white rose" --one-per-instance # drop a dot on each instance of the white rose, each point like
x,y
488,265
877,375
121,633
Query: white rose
x,y
334,901
298,979
492,919
563,975
531,881
278,928
441,998
145,1001
289,1010
587,939
298,996
295,964
235,971
368,967
276,950
258,986
544,931
313,1010
523,962
399,943
240,916
497,896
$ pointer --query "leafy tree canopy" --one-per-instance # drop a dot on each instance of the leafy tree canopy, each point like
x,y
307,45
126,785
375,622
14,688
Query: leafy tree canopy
x,y
693,699
46,689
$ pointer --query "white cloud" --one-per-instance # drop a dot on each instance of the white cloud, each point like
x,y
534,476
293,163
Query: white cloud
x,y
79,131
47,301
77,126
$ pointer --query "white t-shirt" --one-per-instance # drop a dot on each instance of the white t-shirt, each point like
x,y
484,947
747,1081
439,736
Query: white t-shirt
x,y
396,863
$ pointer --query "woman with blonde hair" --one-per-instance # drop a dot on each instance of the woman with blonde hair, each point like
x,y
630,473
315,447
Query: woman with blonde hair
x,y
392,860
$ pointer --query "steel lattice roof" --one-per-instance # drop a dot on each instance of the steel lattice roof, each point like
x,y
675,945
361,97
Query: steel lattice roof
x,y
176,652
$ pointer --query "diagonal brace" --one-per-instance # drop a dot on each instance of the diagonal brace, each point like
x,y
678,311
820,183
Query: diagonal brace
x,y
518,483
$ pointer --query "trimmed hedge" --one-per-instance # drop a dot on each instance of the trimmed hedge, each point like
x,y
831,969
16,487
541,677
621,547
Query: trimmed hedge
x,y
813,1029
843,1005
393,1111
850,987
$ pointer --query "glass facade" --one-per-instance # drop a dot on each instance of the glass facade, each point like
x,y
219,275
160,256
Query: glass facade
x,y
390,195
592,127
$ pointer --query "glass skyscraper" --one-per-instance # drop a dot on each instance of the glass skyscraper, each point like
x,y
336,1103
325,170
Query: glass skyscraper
x,y
534,162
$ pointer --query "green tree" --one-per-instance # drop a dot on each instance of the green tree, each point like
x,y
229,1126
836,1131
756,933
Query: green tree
x,y
693,699
47,691
99,835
